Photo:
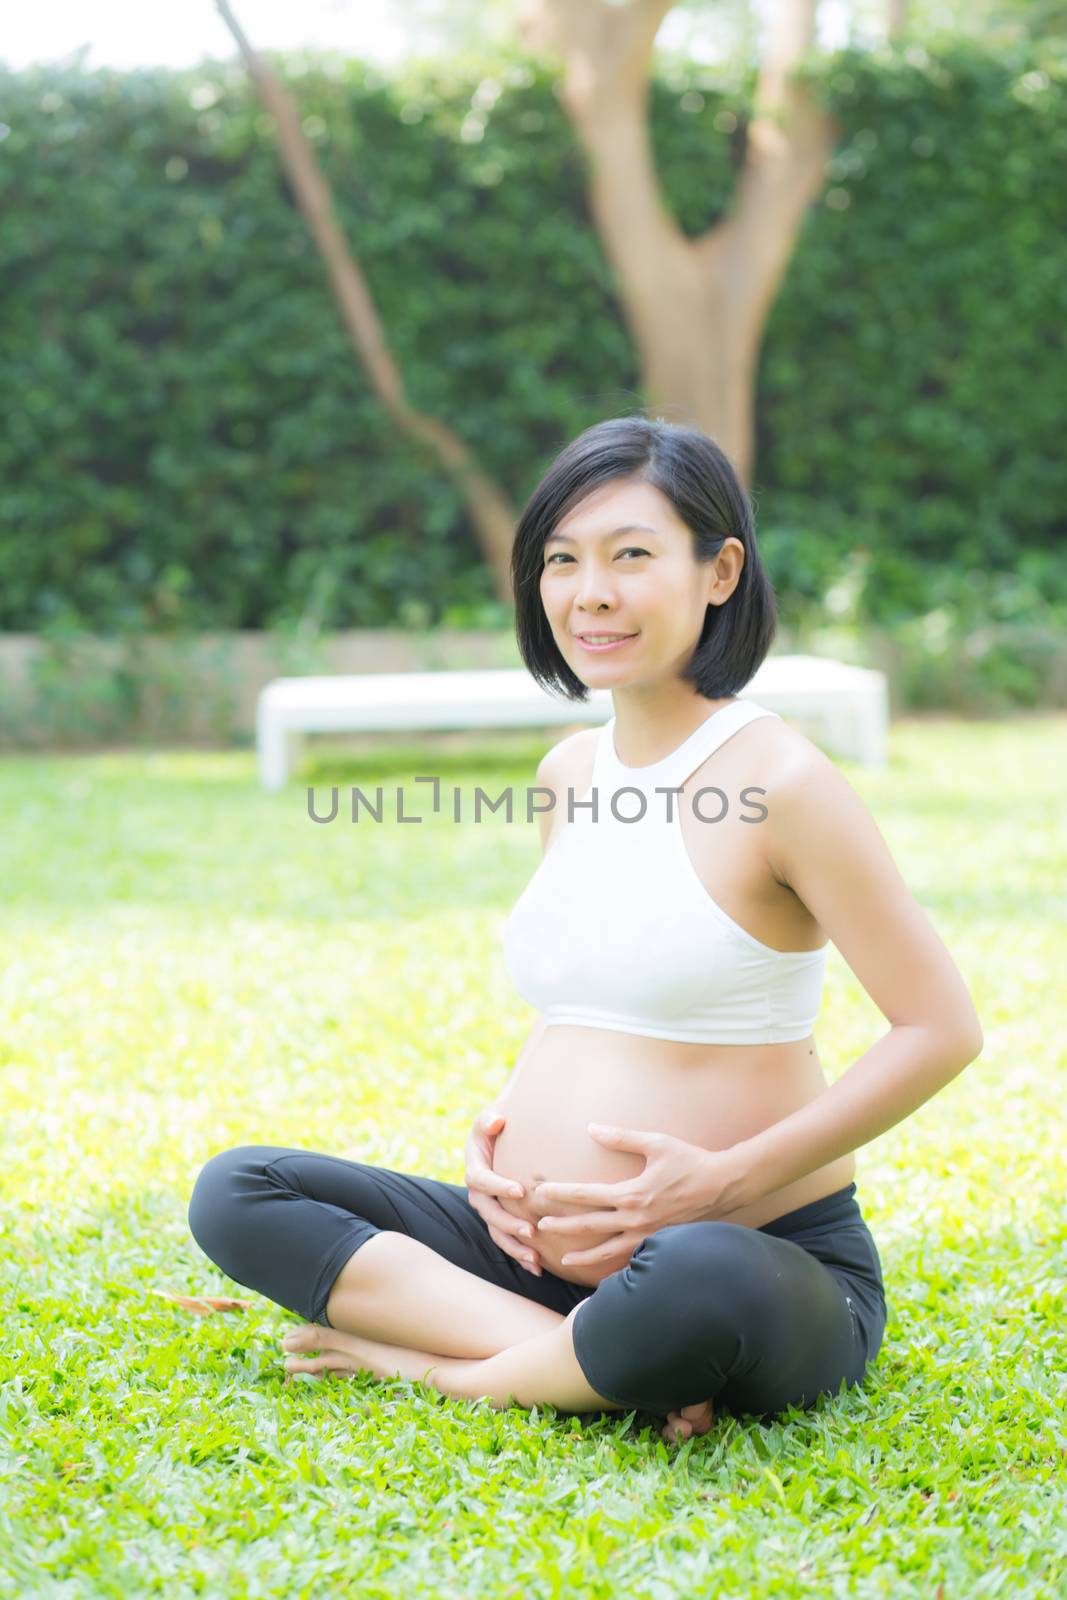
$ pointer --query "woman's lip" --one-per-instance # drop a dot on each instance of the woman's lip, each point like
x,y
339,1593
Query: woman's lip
x,y
614,645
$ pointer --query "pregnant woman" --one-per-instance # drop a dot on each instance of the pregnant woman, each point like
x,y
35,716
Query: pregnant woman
x,y
705,1247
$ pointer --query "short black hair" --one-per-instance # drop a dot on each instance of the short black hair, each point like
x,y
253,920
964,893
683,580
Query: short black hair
x,y
706,492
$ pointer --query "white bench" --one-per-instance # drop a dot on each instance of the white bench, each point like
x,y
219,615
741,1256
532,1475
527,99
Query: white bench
x,y
844,707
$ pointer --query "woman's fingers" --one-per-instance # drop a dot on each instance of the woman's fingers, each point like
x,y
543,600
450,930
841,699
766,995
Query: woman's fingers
x,y
513,1247
507,1232
517,1229
479,1158
484,1185
486,1181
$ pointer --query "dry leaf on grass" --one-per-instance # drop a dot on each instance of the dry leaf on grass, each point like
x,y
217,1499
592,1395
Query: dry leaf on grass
x,y
204,1304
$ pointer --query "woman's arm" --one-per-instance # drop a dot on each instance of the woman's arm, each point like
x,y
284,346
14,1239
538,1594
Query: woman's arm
x,y
821,840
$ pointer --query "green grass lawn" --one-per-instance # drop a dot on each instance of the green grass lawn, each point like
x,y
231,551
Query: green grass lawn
x,y
190,964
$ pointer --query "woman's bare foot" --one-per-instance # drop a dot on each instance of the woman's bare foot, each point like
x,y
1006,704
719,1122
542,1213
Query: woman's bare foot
x,y
681,1425
349,1353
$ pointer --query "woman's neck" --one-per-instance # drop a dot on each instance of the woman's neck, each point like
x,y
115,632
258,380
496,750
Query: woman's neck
x,y
648,728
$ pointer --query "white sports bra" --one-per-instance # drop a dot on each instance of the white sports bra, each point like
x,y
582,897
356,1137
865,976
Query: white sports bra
x,y
616,930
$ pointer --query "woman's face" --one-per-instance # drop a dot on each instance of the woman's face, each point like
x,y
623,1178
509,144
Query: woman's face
x,y
622,562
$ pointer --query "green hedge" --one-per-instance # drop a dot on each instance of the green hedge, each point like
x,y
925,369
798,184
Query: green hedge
x,y
191,442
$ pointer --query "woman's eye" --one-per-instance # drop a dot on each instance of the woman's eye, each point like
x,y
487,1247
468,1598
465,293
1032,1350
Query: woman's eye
x,y
631,550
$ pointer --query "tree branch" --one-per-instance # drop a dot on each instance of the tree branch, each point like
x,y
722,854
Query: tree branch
x,y
789,142
492,515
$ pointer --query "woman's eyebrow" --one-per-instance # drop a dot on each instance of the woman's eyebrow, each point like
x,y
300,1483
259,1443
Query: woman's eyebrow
x,y
628,527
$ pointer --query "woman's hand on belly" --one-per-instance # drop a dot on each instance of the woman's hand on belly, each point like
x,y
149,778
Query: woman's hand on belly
x,y
602,1166
597,1225
533,1150
577,1076
552,1247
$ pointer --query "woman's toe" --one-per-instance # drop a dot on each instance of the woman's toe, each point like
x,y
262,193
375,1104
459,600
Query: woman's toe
x,y
303,1364
318,1365
700,1416
677,1430
306,1337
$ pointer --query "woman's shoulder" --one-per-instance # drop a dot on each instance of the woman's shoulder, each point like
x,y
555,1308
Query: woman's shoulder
x,y
777,759
568,764
570,759
785,751
809,800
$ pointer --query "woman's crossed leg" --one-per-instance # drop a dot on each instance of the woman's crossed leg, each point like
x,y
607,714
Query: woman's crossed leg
x,y
398,1276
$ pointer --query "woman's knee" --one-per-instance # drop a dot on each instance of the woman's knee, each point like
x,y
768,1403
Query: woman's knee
x,y
665,1330
696,1277
221,1182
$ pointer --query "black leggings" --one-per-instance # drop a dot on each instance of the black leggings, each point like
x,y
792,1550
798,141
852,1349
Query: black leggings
x,y
755,1319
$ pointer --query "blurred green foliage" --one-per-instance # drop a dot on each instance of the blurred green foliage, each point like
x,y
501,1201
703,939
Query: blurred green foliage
x,y
193,444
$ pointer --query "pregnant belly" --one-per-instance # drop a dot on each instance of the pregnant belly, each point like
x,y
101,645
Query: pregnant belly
x,y
709,1095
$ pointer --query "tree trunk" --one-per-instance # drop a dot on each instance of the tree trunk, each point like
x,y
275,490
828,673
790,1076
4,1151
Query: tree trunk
x,y
896,18
696,308
491,514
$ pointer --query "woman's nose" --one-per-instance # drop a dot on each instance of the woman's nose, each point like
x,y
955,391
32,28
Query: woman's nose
x,y
594,595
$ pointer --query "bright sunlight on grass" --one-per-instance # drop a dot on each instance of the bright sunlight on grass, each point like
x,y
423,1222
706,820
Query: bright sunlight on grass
x,y
190,964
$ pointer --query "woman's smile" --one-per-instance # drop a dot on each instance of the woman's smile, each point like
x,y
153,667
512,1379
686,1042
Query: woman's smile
x,y
595,643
